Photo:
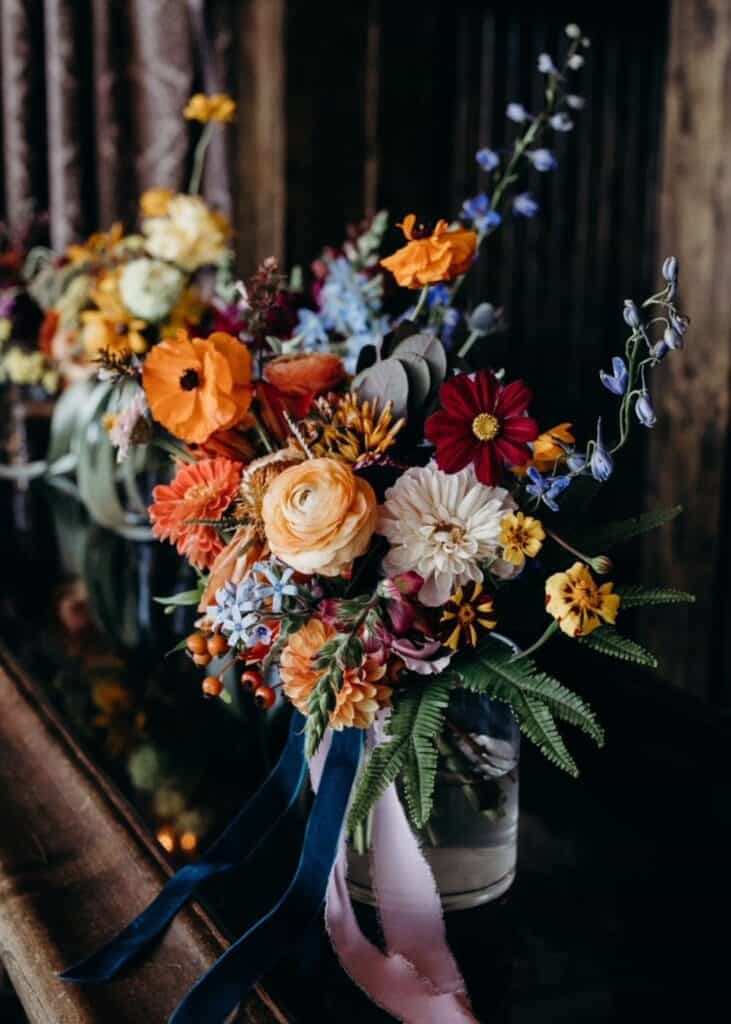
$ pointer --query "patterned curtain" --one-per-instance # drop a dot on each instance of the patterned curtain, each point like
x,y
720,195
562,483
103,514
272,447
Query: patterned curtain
x,y
92,95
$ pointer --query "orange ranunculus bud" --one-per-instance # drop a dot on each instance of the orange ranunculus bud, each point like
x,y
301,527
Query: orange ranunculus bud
x,y
430,258
308,373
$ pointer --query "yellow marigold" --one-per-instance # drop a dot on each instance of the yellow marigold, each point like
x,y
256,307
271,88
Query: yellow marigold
x,y
465,617
297,667
430,257
577,603
319,516
96,245
521,537
361,696
217,106
154,202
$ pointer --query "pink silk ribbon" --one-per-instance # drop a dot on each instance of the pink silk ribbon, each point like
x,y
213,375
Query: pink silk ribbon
x,y
417,980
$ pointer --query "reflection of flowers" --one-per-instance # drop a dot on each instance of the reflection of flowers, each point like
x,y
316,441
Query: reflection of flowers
x,y
442,527
200,490
117,715
149,288
197,387
318,516
188,233
577,603
431,256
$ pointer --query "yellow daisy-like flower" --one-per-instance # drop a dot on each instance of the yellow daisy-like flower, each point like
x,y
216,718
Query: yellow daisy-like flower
x,y
218,106
354,431
577,603
521,537
154,202
466,617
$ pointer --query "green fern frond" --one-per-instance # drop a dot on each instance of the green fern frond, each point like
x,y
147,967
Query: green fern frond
x,y
538,725
611,534
414,724
496,671
636,596
606,640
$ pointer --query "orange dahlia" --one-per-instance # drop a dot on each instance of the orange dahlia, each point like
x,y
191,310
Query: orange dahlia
x,y
431,256
195,387
297,665
361,696
200,490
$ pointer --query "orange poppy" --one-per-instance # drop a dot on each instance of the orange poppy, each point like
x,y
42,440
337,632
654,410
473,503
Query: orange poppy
x,y
430,257
305,374
196,386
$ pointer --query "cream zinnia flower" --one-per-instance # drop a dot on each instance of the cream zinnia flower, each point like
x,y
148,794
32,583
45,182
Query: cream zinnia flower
x,y
442,526
189,234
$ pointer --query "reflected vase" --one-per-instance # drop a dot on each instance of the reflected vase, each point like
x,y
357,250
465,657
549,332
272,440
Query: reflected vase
x,y
471,839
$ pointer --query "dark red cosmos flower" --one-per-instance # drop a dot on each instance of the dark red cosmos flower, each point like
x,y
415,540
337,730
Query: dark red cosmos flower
x,y
484,423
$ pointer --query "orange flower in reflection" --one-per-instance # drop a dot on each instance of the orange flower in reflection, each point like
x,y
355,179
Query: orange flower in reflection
x,y
200,490
431,256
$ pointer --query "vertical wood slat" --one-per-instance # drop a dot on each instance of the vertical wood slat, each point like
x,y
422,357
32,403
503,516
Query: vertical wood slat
x,y
689,447
261,137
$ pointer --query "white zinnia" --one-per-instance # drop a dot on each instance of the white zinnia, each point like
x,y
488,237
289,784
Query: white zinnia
x,y
442,526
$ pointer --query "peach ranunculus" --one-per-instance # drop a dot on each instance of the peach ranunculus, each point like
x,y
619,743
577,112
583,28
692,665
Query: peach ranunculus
x,y
430,257
195,387
233,563
200,490
319,516
310,373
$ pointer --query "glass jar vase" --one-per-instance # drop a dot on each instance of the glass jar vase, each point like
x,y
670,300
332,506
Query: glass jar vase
x,y
471,839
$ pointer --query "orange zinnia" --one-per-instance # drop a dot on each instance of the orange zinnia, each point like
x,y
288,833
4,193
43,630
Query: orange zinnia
x,y
200,490
429,258
195,387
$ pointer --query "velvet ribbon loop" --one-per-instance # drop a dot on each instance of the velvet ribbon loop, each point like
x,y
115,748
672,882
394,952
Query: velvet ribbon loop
x,y
235,973
241,838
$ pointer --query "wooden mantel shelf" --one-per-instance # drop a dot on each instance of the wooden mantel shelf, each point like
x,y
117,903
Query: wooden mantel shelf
x,y
75,866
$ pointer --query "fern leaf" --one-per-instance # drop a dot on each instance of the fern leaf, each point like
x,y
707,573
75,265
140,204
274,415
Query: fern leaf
x,y
524,675
538,725
414,724
606,640
639,596
611,534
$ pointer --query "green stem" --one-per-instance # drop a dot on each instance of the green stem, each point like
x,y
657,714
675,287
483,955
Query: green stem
x,y
471,339
173,449
199,158
550,630
261,431
421,303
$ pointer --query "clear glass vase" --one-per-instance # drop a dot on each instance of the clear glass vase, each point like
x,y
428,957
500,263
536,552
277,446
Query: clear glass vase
x,y
471,840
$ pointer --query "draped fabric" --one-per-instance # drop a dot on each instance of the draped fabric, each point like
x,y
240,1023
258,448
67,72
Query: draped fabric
x,y
92,99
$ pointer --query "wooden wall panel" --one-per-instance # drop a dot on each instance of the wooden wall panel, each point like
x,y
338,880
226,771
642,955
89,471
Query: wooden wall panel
x,y
689,450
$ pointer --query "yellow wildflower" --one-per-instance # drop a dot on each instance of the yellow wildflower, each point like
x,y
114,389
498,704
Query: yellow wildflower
x,y
154,202
548,449
353,431
521,537
577,603
467,616
218,106
100,244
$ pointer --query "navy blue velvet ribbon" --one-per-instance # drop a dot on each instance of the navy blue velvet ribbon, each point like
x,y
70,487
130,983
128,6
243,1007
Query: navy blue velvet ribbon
x,y
235,973
245,833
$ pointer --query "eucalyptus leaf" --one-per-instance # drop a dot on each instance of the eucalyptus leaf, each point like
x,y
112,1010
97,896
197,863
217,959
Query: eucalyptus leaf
x,y
383,382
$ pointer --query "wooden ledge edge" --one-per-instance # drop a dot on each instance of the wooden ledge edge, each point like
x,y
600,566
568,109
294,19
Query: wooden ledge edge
x,y
76,864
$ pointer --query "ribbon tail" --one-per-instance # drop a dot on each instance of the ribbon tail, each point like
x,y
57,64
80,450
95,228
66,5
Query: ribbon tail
x,y
241,838
236,972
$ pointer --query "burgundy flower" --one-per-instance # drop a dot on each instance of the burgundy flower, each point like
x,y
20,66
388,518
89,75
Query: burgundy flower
x,y
484,423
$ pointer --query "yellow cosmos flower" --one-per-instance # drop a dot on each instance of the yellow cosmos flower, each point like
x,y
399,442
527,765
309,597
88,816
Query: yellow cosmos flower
x,y
218,106
466,617
521,537
577,603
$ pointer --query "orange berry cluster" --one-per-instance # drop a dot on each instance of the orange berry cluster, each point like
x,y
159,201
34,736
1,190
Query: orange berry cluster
x,y
204,649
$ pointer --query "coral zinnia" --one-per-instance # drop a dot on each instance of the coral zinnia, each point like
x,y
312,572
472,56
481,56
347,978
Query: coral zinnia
x,y
482,422
297,664
200,490
195,387
431,256
577,603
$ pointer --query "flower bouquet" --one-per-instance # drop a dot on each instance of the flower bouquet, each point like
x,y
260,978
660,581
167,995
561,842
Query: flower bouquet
x,y
105,302
390,557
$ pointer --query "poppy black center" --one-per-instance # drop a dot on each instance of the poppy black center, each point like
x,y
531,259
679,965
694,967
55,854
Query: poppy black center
x,y
190,380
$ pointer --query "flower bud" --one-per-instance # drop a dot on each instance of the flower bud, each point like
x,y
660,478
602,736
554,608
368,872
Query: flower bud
x,y
645,411
631,314
602,564
482,318
670,269
601,463
672,339
659,350
680,323
572,30
576,462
